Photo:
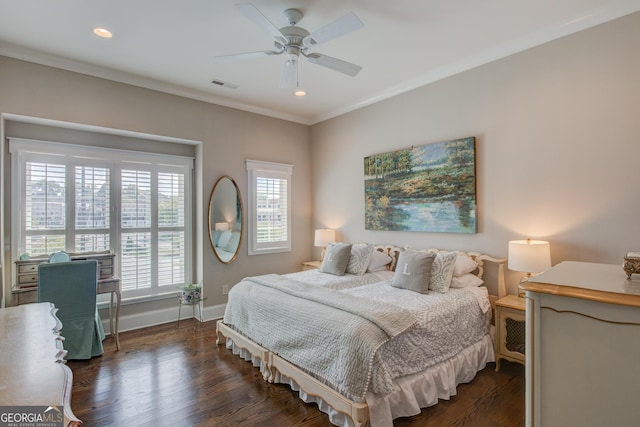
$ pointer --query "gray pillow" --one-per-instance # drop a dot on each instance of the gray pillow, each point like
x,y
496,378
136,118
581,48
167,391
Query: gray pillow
x,y
413,271
442,271
336,258
359,259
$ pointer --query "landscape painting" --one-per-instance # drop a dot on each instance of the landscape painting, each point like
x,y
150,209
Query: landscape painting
x,y
426,188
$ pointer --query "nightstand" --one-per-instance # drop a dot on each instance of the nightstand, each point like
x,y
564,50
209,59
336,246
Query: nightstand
x,y
311,265
510,329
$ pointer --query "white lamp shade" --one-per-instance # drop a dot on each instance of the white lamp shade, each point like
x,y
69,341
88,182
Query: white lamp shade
x,y
324,236
221,226
530,256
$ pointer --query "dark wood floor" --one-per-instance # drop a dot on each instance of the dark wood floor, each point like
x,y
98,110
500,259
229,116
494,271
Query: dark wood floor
x,y
165,376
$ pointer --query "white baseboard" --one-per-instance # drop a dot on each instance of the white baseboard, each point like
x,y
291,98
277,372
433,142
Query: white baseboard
x,y
157,317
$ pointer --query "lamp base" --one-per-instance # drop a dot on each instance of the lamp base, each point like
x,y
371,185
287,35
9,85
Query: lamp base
x,y
521,292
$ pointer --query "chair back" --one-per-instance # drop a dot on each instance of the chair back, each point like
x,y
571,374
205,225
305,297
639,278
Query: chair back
x,y
70,286
60,256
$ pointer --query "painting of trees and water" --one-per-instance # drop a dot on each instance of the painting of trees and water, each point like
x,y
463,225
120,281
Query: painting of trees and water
x,y
427,188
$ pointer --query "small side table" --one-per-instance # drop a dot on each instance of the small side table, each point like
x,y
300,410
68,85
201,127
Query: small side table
x,y
311,265
510,329
193,305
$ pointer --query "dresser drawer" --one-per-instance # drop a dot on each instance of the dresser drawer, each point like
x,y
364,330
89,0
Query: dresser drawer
x,y
26,279
28,268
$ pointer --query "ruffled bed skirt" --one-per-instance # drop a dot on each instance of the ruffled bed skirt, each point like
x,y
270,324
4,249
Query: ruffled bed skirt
x,y
412,392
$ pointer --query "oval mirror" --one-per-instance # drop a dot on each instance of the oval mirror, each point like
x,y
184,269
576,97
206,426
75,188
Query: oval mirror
x,y
225,219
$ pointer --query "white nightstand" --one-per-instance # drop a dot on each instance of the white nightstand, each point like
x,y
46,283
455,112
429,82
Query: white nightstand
x,y
510,329
311,265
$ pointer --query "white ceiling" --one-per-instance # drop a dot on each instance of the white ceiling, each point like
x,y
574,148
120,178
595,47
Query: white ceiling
x,y
169,45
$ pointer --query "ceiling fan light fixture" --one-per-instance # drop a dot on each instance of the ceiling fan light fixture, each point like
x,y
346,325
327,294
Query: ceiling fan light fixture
x,y
102,32
294,41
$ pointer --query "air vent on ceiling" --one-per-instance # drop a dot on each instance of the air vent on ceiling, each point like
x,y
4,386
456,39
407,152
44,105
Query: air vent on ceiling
x,y
222,83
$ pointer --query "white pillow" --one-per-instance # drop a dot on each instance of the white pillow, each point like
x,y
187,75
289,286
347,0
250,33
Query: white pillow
x,y
463,265
224,239
379,261
442,271
359,258
234,241
466,280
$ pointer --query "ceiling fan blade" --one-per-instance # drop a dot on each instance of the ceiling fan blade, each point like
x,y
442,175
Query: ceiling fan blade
x,y
334,63
252,12
223,59
289,76
341,26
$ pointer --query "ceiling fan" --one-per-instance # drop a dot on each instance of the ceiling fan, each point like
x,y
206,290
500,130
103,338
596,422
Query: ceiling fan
x,y
293,41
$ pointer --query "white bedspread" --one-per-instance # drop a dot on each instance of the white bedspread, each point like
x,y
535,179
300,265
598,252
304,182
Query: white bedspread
x,y
282,315
446,324
326,280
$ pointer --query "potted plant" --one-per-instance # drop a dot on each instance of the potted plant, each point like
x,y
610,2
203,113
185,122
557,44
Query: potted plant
x,y
191,293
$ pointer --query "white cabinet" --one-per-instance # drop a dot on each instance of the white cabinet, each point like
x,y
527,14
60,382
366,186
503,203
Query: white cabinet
x,y
583,347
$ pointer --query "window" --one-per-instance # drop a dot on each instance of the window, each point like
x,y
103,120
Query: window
x,y
96,199
269,205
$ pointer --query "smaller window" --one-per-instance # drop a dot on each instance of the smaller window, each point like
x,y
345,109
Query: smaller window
x,y
269,205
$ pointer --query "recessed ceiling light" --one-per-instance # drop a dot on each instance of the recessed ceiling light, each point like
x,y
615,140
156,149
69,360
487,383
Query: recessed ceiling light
x,y
300,92
102,33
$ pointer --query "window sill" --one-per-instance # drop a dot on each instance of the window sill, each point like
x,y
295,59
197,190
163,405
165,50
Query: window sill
x,y
104,303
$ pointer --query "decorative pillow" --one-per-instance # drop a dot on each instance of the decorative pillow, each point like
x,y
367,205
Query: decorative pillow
x,y
336,258
442,271
379,261
413,271
232,246
224,239
463,265
359,259
466,280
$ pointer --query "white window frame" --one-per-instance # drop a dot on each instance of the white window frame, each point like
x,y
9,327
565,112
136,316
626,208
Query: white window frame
x,y
258,169
115,160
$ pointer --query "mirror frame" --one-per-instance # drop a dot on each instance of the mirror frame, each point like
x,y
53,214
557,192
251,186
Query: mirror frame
x,y
212,224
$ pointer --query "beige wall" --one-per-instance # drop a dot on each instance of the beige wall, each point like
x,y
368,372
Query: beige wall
x,y
557,148
229,137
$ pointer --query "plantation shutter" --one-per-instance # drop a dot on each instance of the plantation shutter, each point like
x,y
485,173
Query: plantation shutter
x,y
45,207
92,208
269,207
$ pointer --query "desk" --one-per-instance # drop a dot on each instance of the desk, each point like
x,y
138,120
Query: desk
x,y
25,289
112,286
32,367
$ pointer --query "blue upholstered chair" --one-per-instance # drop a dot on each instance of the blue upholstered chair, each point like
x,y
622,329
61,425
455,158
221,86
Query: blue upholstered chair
x,y
71,287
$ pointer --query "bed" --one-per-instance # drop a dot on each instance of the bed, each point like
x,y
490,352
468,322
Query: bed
x,y
407,349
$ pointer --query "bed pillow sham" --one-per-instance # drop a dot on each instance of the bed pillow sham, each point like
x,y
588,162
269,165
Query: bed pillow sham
x,y
463,265
224,239
442,271
359,258
466,280
379,261
413,271
336,258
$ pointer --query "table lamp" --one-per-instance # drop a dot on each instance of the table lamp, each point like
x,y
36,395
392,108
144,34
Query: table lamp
x,y
221,226
529,256
322,238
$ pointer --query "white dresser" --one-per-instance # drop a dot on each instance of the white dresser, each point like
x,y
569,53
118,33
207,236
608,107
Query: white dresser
x,y
32,366
583,347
